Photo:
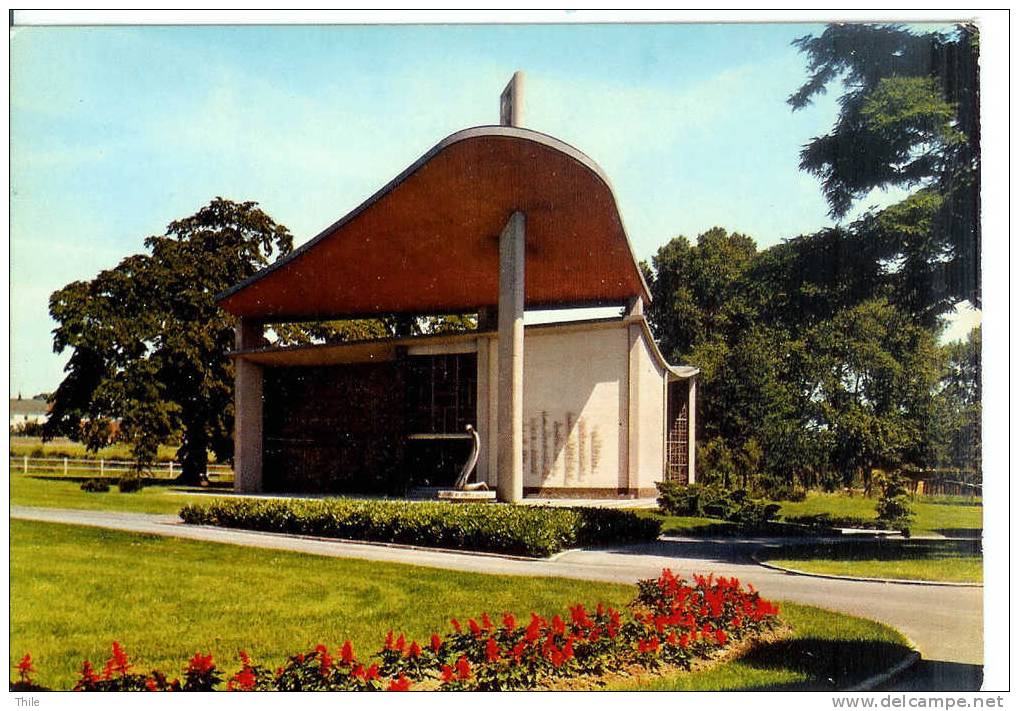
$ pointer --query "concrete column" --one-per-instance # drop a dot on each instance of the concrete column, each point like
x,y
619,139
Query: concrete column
x,y
510,486
247,410
691,414
633,408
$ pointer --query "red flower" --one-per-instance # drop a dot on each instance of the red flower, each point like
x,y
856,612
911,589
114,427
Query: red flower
x,y
400,644
25,668
721,636
463,668
533,630
400,684
509,621
601,610
389,639
568,648
347,653
436,643
557,658
245,659
368,674
118,662
151,685
492,650
244,680
684,640
558,626
475,627
456,625
199,664
414,651
486,621
325,662
518,651
647,646
88,674
447,674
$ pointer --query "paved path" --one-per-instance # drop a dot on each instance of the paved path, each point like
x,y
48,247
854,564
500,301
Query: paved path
x,y
945,622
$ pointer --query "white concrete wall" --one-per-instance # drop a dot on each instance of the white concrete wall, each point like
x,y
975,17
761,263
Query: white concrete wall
x,y
574,408
650,418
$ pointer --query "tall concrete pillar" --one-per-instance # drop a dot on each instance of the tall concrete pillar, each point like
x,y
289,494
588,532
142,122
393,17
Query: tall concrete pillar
x,y
510,484
247,410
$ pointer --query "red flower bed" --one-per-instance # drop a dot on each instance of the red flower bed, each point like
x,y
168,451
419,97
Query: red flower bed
x,y
671,621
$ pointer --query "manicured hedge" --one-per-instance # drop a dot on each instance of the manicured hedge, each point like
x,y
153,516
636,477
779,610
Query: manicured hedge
x,y
523,530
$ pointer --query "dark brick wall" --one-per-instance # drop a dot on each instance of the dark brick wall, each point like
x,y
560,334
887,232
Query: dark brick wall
x,y
334,429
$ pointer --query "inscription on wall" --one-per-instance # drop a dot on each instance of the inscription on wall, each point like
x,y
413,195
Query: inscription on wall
x,y
568,452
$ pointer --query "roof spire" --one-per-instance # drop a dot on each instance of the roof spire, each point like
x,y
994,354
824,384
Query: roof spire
x,y
511,101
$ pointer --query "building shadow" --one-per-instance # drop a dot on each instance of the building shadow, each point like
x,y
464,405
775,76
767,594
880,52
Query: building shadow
x,y
813,664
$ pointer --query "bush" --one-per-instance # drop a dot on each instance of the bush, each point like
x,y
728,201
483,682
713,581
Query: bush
x,y
893,506
95,485
714,502
784,491
693,499
671,622
525,530
130,483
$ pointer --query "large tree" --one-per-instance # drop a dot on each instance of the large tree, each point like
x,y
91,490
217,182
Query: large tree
x,y
908,118
149,344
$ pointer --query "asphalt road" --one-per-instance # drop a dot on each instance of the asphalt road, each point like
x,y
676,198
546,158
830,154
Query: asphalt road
x,y
944,622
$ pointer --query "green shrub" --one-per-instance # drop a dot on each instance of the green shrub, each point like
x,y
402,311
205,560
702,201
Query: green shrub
x,y
523,530
129,483
95,485
784,491
693,499
893,506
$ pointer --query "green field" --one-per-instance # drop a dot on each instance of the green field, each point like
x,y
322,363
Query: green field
x,y
950,516
74,590
947,515
63,447
53,493
941,560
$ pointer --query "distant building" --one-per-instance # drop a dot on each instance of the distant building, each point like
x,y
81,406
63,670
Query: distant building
x,y
32,411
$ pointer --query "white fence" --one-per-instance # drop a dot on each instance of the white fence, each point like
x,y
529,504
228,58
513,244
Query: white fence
x,y
65,466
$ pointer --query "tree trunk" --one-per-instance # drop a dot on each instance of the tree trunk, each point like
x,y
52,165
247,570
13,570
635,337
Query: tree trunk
x,y
194,455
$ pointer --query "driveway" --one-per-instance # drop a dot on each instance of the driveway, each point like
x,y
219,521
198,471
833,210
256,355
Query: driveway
x,y
944,622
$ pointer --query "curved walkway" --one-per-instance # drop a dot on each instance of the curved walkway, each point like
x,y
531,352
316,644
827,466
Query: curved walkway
x,y
946,623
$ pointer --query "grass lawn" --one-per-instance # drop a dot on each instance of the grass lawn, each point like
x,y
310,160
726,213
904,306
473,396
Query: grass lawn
x,y
826,651
952,561
948,515
953,516
53,493
75,589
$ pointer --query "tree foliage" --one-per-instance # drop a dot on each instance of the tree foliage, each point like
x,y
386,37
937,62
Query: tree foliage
x,y
810,373
149,343
908,118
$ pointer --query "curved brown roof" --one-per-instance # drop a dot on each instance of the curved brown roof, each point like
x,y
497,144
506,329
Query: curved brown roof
x,y
428,242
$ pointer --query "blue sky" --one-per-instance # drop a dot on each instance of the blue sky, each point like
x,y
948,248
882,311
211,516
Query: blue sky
x,y
117,131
